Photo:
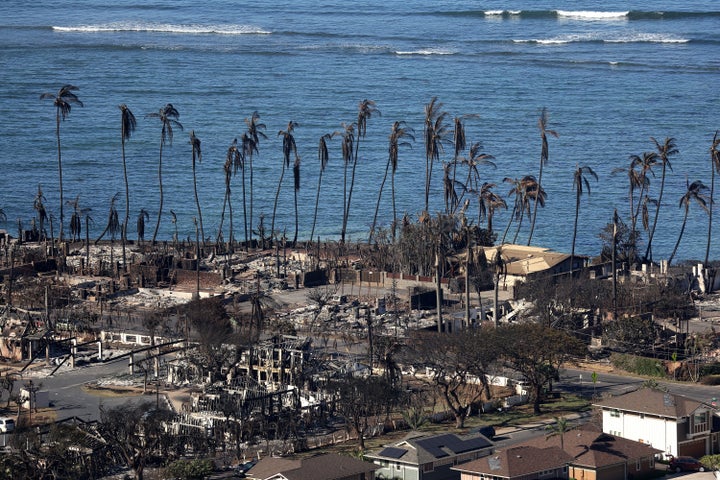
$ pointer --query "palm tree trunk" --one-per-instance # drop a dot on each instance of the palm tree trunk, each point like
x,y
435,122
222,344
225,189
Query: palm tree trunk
x,y
710,212
245,218
535,205
648,251
60,178
522,215
157,225
317,203
249,220
342,229
297,220
277,196
197,201
512,215
682,230
222,218
127,202
392,190
231,237
572,250
377,206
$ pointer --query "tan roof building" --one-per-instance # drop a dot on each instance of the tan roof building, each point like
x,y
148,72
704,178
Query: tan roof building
x,y
330,466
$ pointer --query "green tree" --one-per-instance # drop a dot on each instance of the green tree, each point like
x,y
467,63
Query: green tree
x,y
197,155
580,183
537,352
697,192
63,101
558,429
664,151
167,116
544,155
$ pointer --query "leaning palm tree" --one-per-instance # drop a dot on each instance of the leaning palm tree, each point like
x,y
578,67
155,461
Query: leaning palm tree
x,y
197,155
288,148
580,183
714,167
697,192
434,132
63,101
397,132
168,116
127,127
251,147
664,152
366,109
544,155
323,157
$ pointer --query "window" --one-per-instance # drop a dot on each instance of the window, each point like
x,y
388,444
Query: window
x,y
615,413
638,464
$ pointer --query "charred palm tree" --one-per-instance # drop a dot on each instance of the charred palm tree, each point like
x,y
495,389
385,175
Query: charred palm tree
x,y
143,217
499,267
580,184
127,127
233,161
488,203
697,192
168,116
434,133
63,101
173,220
251,147
197,155
75,219
366,109
714,167
296,184
39,207
397,133
288,148
113,227
664,152
544,155
347,147
323,157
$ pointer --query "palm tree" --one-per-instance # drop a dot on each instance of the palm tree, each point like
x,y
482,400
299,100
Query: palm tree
x,y
127,127
366,109
233,161
347,144
288,148
168,116
696,191
323,157
558,429
643,164
714,167
39,207
488,202
63,101
251,146
526,191
398,131
75,219
475,159
197,154
113,223
544,155
635,180
664,151
434,132
580,183
296,184
516,192
143,217
499,268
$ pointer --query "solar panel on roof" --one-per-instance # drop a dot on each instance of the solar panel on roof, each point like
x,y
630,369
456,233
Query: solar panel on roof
x,y
392,452
471,444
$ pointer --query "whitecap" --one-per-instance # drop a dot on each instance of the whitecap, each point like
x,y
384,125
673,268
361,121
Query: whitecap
x,y
233,29
426,51
592,15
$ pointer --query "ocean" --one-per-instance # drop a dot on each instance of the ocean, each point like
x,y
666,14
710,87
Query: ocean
x,y
610,74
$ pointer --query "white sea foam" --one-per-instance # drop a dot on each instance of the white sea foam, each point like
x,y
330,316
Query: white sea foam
x,y
426,51
592,15
167,28
636,37
494,13
647,38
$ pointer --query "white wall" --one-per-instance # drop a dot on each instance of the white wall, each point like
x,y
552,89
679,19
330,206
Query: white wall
x,y
658,432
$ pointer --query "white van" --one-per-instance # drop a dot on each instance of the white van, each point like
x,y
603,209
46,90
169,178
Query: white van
x,y
7,424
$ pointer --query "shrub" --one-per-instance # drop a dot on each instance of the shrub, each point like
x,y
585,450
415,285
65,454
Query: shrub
x,y
190,469
710,462
650,367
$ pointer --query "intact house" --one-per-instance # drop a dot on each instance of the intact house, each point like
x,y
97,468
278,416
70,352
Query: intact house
x,y
429,457
518,463
671,423
595,455
330,466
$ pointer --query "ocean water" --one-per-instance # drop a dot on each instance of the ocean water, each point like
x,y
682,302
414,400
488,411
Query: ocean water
x,y
611,75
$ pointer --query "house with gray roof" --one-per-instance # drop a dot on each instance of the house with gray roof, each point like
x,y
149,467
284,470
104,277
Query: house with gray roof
x,y
429,457
674,424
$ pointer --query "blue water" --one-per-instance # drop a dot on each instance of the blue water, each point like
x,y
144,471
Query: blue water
x,y
611,74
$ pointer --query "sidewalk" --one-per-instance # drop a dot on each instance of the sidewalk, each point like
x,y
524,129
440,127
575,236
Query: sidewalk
x,y
539,424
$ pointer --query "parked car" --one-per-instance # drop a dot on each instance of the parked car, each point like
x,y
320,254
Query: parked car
x,y
7,424
685,464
